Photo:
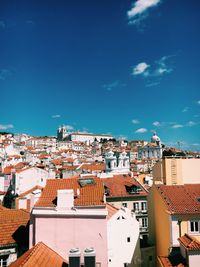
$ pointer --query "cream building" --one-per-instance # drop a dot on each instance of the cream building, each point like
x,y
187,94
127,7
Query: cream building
x,y
177,171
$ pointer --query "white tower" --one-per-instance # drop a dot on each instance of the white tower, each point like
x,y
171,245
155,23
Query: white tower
x,y
118,164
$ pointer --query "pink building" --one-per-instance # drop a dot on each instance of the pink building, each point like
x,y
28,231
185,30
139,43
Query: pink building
x,y
71,213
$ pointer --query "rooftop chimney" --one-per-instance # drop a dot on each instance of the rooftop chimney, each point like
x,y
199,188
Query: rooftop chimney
x,y
89,257
74,257
65,199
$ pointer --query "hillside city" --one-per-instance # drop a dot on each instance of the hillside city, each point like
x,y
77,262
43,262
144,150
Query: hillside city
x,y
81,199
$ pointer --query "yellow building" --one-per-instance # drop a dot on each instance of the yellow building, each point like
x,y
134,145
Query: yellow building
x,y
173,212
177,171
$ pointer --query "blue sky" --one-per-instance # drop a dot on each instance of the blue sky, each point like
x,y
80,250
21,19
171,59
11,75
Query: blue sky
x,y
121,67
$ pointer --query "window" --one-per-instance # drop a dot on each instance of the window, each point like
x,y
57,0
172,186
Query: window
x,y
136,206
128,239
144,206
3,261
194,226
124,205
144,222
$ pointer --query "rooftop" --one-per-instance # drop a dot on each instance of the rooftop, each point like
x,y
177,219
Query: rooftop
x,y
189,242
123,186
40,255
13,225
90,194
181,199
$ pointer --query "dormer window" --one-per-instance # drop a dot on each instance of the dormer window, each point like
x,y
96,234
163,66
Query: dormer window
x,y
133,189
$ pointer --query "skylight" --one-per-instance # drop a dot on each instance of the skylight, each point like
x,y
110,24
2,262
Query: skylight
x,y
88,181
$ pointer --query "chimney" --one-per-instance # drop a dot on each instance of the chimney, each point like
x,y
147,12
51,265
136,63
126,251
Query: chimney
x,y
65,199
74,257
89,257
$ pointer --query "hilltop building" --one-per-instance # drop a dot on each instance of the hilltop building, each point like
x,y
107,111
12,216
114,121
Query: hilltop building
x,y
152,150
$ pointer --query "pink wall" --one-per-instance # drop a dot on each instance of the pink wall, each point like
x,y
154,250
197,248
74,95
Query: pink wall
x,y
62,234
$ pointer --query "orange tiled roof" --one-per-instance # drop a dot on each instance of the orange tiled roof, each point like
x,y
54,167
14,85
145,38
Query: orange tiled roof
x,y
11,220
30,190
171,262
40,256
7,169
90,195
118,183
111,210
181,199
189,242
94,167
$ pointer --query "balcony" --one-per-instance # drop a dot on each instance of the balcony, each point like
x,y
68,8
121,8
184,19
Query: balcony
x,y
143,229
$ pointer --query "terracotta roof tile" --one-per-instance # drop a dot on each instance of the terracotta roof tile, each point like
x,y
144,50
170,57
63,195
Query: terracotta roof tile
x,y
176,261
90,195
118,186
111,210
189,242
94,167
181,199
11,222
40,256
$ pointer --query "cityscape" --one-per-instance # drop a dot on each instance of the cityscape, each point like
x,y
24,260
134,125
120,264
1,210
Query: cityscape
x,y
100,133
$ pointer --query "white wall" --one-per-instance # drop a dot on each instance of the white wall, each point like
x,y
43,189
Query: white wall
x,y
121,251
175,232
29,178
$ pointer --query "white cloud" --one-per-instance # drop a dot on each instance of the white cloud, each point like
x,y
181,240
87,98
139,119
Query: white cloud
x,y
156,123
115,84
185,109
140,7
135,121
6,126
198,102
141,130
2,24
141,69
176,126
69,127
191,123
5,73
55,116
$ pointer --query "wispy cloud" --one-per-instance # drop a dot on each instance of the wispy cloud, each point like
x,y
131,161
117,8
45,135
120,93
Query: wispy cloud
x,y
141,69
156,123
56,116
5,73
2,24
185,109
135,121
113,85
6,126
69,127
154,72
191,123
198,102
141,130
139,10
177,126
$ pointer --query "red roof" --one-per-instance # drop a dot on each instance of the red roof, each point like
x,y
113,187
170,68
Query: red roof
x,y
39,255
118,186
181,199
11,221
90,194
111,210
176,261
189,242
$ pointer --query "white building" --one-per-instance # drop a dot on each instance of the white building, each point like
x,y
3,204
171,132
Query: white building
x,y
24,180
114,164
152,150
88,138
123,238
